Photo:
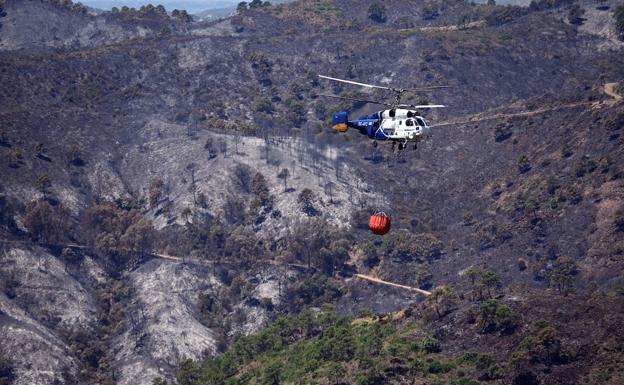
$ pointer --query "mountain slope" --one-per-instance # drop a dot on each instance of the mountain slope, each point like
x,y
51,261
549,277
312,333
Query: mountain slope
x,y
462,346
128,135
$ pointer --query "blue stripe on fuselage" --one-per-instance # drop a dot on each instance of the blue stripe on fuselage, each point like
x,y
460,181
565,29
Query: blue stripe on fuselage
x,y
369,127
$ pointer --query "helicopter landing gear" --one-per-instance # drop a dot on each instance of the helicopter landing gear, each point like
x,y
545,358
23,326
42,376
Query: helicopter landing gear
x,y
415,146
402,146
375,144
393,145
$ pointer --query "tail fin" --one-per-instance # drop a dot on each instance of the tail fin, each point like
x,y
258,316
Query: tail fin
x,y
340,121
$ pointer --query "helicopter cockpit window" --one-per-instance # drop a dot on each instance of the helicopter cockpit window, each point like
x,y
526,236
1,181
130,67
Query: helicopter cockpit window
x,y
409,122
421,122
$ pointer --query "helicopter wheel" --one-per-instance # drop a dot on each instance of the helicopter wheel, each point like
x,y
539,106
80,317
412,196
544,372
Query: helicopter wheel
x,y
415,146
375,144
401,146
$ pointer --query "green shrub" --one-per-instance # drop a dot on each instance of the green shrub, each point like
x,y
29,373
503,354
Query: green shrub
x,y
377,12
585,166
545,346
552,184
296,112
306,200
566,151
424,277
575,15
406,246
430,344
619,20
465,380
265,106
189,372
619,220
496,317
485,364
320,109
523,164
430,11
241,7
562,274
435,366
502,132
46,223
490,280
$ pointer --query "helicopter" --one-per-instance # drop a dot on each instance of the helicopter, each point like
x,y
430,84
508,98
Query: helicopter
x,y
401,123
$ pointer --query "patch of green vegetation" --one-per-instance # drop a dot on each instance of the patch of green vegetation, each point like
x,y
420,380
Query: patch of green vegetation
x,y
610,372
485,364
323,347
404,246
430,344
585,166
524,164
316,290
544,346
492,234
377,12
494,316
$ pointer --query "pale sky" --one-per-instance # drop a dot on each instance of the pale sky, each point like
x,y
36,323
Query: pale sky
x,y
191,6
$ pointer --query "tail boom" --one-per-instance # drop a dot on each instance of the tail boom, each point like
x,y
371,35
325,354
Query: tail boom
x,y
340,121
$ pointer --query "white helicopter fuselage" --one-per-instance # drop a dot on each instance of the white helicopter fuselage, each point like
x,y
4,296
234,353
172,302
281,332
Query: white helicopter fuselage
x,y
404,125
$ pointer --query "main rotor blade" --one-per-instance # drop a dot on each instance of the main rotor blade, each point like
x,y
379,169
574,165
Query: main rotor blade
x,y
428,88
356,83
422,106
355,100
419,89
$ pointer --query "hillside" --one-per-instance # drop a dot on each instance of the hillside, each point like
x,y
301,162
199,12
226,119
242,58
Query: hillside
x,y
453,341
169,186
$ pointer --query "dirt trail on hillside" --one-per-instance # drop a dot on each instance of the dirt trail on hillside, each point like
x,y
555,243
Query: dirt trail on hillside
x,y
608,89
274,263
205,262
483,117
167,256
380,281
456,27
442,28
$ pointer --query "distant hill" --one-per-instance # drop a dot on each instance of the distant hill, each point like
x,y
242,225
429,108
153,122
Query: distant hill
x,y
214,13
225,11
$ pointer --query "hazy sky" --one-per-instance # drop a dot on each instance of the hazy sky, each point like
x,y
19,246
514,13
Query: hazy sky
x,y
192,6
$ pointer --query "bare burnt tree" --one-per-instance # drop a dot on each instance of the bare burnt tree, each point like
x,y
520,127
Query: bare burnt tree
x,y
283,174
192,169
329,190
